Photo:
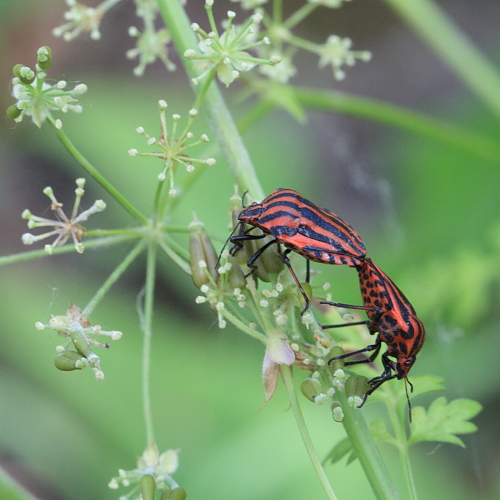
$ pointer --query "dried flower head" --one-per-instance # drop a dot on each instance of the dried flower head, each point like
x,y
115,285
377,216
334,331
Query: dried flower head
x,y
63,226
77,352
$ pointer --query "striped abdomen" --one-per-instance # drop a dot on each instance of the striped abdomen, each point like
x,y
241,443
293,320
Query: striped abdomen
x,y
397,324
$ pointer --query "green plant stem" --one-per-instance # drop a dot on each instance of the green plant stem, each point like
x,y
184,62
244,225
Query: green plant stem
x,y
36,254
397,416
134,212
147,328
368,454
220,118
399,117
113,278
454,48
286,374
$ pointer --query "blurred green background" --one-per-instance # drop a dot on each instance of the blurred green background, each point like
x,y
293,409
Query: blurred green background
x,y
428,213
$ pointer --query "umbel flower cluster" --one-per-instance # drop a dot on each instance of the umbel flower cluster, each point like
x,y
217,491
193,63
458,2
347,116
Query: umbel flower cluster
x,y
76,353
37,98
63,227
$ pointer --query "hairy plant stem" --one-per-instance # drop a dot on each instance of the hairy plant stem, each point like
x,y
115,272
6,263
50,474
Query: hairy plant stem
x,y
286,374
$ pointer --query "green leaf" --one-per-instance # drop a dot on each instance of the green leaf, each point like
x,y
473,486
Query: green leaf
x,y
426,383
443,421
379,431
339,451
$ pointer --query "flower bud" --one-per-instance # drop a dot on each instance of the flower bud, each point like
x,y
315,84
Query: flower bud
x,y
44,57
13,112
311,388
69,361
201,249
356,386
338,363
337,412
175,494
148,487
24,73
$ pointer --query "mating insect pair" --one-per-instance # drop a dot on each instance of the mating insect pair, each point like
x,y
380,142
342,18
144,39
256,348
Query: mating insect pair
x,y
321,236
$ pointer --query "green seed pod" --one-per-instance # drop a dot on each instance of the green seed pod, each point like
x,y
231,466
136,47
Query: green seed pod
x,y
338,363
175,494
248,249
271,258
236,277
201,249
81,343
13,112
148,487
44,57
311,389
356,385
67,361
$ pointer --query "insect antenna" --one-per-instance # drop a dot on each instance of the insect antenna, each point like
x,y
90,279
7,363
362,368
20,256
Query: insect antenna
x,y
407,382
225,244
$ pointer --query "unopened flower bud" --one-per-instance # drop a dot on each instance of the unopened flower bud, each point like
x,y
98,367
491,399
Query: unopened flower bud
x,y
337,412
175,494
24,73
148,487
311,389
44,57
69,361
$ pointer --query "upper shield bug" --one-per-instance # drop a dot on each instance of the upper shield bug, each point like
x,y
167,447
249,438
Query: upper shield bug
x,y
300,226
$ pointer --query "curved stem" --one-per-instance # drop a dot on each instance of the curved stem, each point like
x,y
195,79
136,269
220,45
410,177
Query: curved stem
x,y
113,278
98,176
286,374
